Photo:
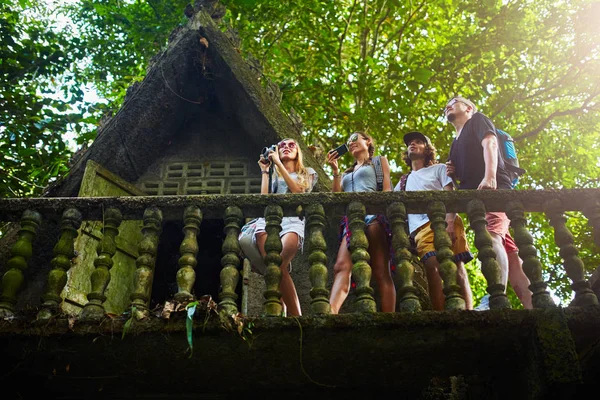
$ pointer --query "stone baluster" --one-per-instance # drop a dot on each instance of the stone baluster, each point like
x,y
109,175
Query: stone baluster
x,y
273,247
64,252
486,254
592,213
20,252
146,262
230,261
317,247
186,275
361,270
407,292
246,268
584,296
444,255
532,267
103,263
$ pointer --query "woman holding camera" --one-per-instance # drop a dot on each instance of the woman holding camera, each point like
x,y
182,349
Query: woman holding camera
x,y
361,177
291,176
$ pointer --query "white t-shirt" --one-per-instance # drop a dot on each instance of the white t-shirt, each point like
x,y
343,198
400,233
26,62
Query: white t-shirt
x,y
428,178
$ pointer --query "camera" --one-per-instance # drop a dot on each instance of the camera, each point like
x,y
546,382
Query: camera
x,y
266,150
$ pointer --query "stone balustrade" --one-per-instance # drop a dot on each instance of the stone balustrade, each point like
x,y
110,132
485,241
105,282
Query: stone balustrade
x,y
317,208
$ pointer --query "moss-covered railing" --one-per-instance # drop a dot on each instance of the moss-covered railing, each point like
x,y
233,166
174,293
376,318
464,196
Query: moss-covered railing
x,y
315,208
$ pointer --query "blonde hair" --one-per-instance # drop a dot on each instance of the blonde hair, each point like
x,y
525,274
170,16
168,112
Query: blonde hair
x,y
299,168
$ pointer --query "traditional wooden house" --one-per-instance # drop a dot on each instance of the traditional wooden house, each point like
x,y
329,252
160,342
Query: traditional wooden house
x,y
147,222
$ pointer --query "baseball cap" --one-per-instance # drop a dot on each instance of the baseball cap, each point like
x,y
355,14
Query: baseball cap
x,y
416,135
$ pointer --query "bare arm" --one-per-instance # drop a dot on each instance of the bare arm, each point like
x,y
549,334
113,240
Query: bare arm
x,y
490,157
264,182
337,176
291,183
387,186
337,183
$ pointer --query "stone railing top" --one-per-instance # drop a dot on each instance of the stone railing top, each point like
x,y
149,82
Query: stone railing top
x,y
252,205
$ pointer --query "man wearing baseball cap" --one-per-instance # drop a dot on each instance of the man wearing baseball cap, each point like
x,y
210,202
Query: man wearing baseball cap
x,y
427,174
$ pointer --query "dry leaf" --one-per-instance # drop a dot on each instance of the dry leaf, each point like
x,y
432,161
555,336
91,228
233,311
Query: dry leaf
x,y
168,309
238,320
208,303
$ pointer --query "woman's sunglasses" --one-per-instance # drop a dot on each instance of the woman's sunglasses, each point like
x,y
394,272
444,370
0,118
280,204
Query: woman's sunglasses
x,y
283,144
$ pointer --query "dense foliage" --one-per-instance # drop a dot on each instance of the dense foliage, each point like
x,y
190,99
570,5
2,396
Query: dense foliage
x,y
33,63
384,66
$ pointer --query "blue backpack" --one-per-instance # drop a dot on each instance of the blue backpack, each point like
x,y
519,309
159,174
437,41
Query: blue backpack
x,y
509,155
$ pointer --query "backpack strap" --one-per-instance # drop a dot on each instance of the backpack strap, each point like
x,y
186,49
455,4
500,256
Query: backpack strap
x,y
274,184
378,172
403,180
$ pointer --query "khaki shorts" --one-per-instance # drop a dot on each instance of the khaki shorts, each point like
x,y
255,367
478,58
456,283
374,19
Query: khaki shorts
x,y
426,248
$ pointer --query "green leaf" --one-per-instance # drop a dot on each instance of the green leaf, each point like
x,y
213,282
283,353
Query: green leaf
x,y
422,75
127,324
189,325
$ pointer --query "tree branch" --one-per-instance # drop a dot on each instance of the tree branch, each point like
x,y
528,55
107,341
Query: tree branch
x,y
365,33
363,55
156,13
514,97
400,31
277,37
344,34
376,34
556,114
560,83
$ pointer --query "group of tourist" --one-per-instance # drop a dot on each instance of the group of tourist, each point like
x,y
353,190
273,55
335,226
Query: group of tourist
x,y
475,162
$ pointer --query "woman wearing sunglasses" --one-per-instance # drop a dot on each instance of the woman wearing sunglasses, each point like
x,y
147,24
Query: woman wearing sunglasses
x,y
361,177
291,176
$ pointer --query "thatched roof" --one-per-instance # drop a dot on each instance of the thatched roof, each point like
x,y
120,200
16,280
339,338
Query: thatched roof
x,y
200,65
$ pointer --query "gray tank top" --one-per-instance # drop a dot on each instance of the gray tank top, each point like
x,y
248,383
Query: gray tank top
x,y
361,180
282,187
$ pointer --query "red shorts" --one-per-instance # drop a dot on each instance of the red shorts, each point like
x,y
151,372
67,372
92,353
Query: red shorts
x,y
509,244
498,223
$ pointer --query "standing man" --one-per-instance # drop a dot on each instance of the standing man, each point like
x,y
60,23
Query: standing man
x,y
476,162
427,174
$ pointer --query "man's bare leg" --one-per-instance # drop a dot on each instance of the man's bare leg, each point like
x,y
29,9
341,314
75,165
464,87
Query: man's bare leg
x,y
501,257
462,278
518,280
435,284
